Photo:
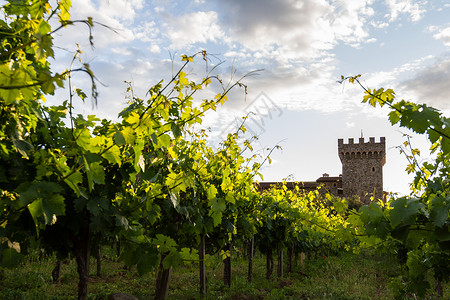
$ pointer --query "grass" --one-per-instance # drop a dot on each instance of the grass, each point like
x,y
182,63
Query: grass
x,y
344,276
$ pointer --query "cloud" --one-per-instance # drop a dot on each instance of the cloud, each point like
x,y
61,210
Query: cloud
x,y
415,9
197,27
443,34
155,49
121,9
430,85
293,41
379,24
294,30
146,31
114,20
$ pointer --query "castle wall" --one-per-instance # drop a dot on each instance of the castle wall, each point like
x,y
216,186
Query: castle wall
x,y
362,172
362,167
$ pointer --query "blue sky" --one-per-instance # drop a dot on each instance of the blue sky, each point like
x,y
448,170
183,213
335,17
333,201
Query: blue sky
x,y
302,46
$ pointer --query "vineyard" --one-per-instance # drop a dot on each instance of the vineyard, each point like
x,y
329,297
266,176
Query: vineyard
x,y
150,185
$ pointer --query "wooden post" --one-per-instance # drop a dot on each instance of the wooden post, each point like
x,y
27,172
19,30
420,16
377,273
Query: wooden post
x,y
162,281
227,267
201,257
118,249
290,252
280,263
250,258
82,246
302,259
56,271
269,263
99,260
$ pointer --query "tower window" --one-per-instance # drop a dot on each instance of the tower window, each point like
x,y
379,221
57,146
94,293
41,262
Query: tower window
x,y
373,169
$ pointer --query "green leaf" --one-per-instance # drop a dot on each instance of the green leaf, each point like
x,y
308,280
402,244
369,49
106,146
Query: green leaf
x,y
443,233
23,147
372,213
48,208
31,191
96,205
404,211
173,259
10,96
83,138
211,192
184,57
128,134
400,232
147,261
176,130
64,6
44,27
165,243
73,180
113,155
164,140
122,221
119,139
230,198
439,211
98,173
10,258
36,209
217,218
394,117
445,143
53,206
80,204
81,94
218,204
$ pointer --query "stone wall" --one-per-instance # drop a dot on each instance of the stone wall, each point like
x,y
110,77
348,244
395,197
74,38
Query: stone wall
x,y
362,167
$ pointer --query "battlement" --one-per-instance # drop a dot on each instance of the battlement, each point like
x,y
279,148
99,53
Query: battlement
x,y
362,146
362,149
351,141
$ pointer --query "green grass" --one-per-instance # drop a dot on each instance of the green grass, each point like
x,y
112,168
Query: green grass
x,y
345,276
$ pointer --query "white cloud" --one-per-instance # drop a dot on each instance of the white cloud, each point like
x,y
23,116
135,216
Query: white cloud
x,y
116,15
444,35
379,24
415,9
120,9
295,30
198,27
146,31
155,49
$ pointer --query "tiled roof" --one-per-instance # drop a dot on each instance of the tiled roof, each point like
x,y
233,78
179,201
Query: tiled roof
x,y
329,179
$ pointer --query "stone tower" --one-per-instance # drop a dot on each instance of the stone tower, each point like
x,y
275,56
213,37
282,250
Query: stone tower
x,y
362,168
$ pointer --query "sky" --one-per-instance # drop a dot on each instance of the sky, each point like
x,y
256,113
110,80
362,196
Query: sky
x,y
300,49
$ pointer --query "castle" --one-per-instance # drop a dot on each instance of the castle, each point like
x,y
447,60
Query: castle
x,y
362,172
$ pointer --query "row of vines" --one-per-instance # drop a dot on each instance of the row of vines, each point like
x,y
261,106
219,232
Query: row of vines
x,y
71,183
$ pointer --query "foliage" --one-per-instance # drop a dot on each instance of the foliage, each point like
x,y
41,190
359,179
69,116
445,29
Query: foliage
x,y
69,186
419,222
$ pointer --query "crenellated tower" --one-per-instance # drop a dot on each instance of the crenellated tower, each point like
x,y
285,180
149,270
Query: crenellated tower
x,y
362,167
